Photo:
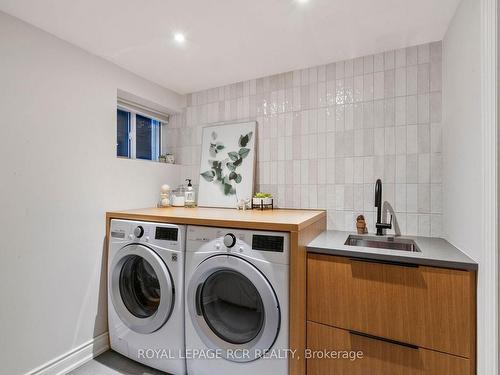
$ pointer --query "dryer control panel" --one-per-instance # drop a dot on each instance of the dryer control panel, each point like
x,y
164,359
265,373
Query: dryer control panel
x,y
270,246
265,242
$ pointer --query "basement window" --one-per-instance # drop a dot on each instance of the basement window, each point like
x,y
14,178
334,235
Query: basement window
x,y
138,133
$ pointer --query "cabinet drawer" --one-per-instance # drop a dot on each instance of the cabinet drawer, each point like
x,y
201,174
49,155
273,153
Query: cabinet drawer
x,y
378,357
430,307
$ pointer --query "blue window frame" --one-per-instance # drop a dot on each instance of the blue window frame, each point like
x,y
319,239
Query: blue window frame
x,y
122,134
138,136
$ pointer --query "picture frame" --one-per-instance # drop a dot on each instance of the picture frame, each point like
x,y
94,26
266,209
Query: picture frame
x,y
227,165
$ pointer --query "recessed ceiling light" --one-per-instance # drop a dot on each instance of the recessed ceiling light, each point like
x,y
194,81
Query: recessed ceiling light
x,y
179,37
302,1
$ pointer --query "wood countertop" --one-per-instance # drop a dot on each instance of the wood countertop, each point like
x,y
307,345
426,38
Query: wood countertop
x,y
288,220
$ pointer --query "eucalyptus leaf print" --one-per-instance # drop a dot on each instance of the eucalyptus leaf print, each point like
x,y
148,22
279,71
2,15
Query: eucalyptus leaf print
x,y
227,168
244,139
234,155
208,175
229,189
223,168
244,152
215,148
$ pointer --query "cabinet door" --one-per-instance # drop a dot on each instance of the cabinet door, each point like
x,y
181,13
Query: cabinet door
x,y
430,307
378,357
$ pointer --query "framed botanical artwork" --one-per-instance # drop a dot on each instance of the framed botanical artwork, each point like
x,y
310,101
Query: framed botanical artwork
x,y
227,168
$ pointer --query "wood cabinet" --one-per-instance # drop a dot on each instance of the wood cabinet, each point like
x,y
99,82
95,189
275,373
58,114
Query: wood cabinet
x,y
378,357
426,315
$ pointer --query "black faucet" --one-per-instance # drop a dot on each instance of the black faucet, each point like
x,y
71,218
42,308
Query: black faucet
x,y
378,203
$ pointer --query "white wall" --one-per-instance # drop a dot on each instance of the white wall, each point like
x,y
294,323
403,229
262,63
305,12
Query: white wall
x,y
462,128
59,175
462,157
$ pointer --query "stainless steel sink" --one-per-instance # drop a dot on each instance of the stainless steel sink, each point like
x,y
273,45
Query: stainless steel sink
x,y
389,243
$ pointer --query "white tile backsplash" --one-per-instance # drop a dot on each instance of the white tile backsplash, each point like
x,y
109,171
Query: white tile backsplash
x,y
411,79
411,55
326,133
389,62
400,58
423,53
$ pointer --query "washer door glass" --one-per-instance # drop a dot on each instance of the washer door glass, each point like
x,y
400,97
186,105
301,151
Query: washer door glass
x,y
139,287
232,307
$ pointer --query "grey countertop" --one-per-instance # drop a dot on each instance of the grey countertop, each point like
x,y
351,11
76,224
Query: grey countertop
x,y
435,252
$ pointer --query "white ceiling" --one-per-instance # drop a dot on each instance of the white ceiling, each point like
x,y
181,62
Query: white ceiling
x,y
233,40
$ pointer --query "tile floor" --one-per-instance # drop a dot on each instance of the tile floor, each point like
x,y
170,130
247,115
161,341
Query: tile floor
x,y
112,363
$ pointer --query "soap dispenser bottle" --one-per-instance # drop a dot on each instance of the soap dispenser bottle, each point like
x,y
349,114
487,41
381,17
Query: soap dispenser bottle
x,y
189,195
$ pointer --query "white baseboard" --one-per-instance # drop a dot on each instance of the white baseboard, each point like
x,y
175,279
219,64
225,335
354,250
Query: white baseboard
x,y
74,358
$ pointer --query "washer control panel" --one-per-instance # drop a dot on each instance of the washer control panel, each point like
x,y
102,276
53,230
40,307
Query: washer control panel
x,y
139,231
165,235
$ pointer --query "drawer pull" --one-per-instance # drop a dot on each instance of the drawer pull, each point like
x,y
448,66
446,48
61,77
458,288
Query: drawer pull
x,y
389,262
366,335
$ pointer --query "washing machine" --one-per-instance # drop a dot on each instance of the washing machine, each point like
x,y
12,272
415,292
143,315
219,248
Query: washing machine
x,y
146,293
236,301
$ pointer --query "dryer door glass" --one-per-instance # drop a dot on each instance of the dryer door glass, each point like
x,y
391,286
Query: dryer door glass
x,y
232,307
139,287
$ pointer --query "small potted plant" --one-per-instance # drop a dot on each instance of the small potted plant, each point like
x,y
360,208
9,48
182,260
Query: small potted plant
x,y
170,158
262,200
166,158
